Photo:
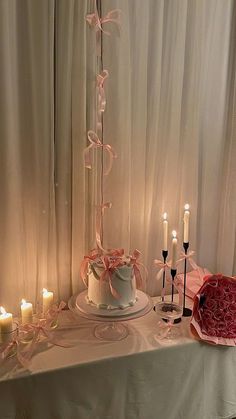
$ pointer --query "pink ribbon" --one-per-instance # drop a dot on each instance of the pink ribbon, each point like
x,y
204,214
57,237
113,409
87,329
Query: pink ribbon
x,y
96,143
96,22
54,310
40,329
101,97
177,283
136,268
109,268
93,255
6,349
99,217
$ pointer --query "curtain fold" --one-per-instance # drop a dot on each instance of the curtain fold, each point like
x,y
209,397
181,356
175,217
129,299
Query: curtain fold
x,y
166,116
170,116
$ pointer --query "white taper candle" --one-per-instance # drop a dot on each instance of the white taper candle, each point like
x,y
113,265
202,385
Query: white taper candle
x,y
186,223
174,250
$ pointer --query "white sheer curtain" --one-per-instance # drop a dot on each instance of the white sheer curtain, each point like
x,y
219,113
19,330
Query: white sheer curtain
x,y
170,115
43,77
167,116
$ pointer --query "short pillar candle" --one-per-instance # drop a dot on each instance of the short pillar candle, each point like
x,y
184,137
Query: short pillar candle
x,y
47,299
26,312
6,322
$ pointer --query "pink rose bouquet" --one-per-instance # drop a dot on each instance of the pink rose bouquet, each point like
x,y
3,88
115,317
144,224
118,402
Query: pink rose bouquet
x,y
214,310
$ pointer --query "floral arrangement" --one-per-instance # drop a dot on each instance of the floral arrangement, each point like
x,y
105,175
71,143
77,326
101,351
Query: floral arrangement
x,y
214,310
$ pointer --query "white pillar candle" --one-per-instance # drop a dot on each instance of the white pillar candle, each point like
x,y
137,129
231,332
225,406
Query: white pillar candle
x,y
6,322
186,223
47,299
165,232
174,250
26,312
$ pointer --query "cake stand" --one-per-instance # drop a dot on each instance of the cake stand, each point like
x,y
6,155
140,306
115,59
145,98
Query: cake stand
x,y
111,328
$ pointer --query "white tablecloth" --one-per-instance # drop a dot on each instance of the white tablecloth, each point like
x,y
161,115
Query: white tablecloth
x,y
137,378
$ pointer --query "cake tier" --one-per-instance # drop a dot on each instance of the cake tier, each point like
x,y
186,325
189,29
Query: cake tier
x,y
123,281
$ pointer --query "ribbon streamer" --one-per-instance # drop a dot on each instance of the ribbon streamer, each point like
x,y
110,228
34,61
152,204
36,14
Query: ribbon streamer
x,y
96,23
101,97
96,143
136,268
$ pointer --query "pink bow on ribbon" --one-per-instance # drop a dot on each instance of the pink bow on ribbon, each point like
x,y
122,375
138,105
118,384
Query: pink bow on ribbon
x,y
93,255
40,329
14,346
96,143
96,22
54,311
136,268
109,268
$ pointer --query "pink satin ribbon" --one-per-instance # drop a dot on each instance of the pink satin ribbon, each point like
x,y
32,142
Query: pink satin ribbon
x,y
40,329
109,268
96,22
99,218
96,143
54,311
176,281
136,268
6,349
93,255
101,97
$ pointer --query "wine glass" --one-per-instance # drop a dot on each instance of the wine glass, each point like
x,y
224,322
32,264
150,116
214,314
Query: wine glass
x,y
169,312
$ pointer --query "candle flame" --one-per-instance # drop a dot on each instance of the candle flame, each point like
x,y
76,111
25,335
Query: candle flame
x,y
23,302
45,290
186,207
174,234
2,310
165,216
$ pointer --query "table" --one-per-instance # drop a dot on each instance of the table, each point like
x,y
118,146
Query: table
x,y
137,378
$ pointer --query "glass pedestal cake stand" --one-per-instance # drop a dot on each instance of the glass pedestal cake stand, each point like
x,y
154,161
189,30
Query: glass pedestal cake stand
x,y
111,328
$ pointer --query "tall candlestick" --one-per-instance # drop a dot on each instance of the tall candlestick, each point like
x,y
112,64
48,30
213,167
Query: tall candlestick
x,y
6,322
186,223
165,232
26,312
47,299
174,250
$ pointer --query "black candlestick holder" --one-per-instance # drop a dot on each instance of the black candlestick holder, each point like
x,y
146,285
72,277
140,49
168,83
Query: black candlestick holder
x,y
173,275
187,312
164,255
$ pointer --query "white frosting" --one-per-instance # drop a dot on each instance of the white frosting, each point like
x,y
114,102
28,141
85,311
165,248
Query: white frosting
x,y
123,281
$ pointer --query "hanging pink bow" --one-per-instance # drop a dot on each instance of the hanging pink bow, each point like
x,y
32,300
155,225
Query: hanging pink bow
x,y
136,267
96,22
109,268
93,255
96,143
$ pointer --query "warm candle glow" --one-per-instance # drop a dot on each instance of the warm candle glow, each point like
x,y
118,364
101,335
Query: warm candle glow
x,y
2,310
174,234
6,324
165,232
186,223
26,312
47,299
165,216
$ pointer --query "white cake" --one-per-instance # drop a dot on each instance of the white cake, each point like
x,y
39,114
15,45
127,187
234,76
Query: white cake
x,y
122,280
